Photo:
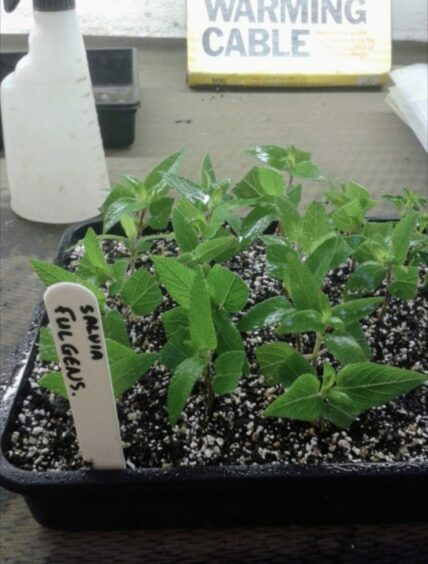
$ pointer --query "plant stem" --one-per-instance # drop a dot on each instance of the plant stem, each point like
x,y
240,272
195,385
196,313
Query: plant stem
x,y
299,342
140,227
290,181
386,300
132,248
209,391
317,347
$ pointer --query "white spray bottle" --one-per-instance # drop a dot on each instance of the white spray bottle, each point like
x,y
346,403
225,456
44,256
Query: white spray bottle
x,y
54,155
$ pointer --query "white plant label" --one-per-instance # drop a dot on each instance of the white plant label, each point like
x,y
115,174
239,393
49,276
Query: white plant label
x,y
77,328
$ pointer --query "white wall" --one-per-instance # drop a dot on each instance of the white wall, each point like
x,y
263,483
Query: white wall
x,y
166,18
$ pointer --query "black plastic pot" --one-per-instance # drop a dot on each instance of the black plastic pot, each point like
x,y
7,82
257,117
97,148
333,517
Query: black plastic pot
x,y
114,75
203,496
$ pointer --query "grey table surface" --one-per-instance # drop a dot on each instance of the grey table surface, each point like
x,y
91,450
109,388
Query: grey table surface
x,y
353,135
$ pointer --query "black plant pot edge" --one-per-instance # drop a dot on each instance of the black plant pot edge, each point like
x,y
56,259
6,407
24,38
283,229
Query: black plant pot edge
x,y
337,492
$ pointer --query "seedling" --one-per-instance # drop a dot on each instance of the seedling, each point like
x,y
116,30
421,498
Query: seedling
x,y
328,374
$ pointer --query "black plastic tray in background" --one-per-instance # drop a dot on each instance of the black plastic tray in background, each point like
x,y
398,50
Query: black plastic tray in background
x,y
115,80
207,496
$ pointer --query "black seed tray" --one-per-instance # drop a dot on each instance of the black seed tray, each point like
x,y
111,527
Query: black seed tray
x,y
207,496
114,75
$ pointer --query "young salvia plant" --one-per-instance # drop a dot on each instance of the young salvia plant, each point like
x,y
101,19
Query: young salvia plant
x,y
138,204
272,193
202,214
339,397
334,378
202,340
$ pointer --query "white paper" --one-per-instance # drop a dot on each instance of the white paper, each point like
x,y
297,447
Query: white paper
x,y
409,99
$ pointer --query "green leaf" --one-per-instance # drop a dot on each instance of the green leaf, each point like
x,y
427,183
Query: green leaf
x,y
350,217
328,377
227,289
177,278
272,155
126,366
176,351
122,190
228,336
405,282
290,219
354,330
345,348
228,371
276,257
52,274
281,364
47,349
327,256
253,226
155,181
303,287
264,314
302,401
54,381
366,278
307,169
356,309
129,226
185,377
294,194
95,256
118,273
401,238
202,331
119,208
160,211
185,234
187,188
216,249
208,175
315,224
301,322
115,327
372,251
174,320
369,385
141,293
339,408
260,183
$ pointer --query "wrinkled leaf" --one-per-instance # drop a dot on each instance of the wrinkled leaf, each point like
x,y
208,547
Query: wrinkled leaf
x,y
345,349
369,385
366,278
47,349
216,249
281,364
201,325
405,282
115,327
301,322
302,401
185,234
228,371
177,278
141,293
227,289
185,377
267,313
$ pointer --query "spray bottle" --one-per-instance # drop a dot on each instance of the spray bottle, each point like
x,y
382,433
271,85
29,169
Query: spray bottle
x,y
55,160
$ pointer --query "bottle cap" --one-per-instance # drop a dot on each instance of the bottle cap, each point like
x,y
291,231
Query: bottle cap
x,y
43,5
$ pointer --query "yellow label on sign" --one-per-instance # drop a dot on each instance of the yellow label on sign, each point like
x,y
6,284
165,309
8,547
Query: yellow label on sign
x,y
288,42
